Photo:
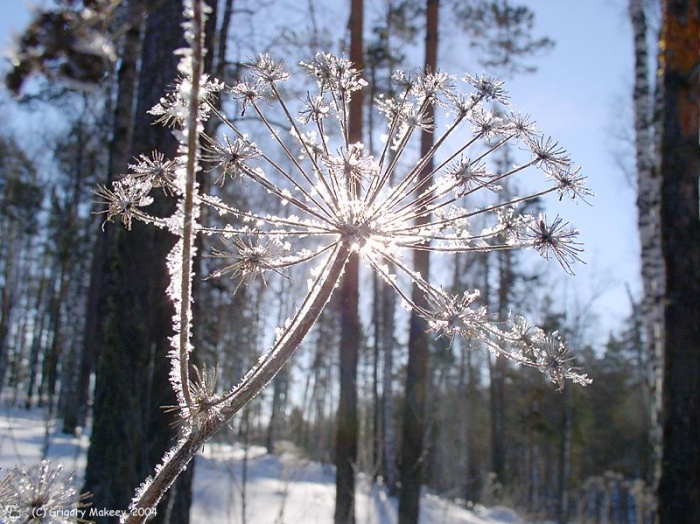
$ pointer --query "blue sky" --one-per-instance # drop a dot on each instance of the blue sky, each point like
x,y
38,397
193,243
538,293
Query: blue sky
x,y
579,95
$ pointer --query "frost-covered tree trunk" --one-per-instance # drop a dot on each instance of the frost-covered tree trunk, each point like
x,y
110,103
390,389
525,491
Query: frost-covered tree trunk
x,y
346,440
417,380
649,225
679,486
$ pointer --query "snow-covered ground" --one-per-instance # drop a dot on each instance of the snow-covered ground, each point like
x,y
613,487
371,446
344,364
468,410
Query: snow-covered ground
x,y
277,489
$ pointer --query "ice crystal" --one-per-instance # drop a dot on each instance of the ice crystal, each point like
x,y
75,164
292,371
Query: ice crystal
x,y
570,183
269,70
488,88
173,108
335,74
458,315
317,108
247,92
468,175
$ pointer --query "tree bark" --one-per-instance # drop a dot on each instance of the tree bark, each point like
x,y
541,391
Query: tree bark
x,y
648,223
498,367
564,465
414,422
7,301
119,151
389,446
679,487
132,371
348,425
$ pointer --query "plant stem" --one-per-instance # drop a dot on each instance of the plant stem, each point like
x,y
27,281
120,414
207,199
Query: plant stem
x,y
182,453
189,206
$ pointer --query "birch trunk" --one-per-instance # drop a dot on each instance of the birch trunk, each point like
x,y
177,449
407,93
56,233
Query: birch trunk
x,y
649,225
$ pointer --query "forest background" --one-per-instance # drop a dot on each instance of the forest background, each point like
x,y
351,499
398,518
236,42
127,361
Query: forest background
x,y
557,450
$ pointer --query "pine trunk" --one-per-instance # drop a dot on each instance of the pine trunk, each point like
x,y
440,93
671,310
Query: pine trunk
x,y
347,423
498,367
119,156
679,486
6,304
414,420
564,464
131,432
388,304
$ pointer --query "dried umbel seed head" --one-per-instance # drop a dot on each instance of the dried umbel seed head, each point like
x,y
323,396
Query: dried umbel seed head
x,y
332,195
41,494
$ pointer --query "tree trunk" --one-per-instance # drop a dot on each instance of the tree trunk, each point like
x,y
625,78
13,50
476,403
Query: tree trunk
x,y
498,367
414,423
6,304
564,469
377,441
347,425
679,486
648,220
119,156
131,432
49,373
388,305
279,396
40,328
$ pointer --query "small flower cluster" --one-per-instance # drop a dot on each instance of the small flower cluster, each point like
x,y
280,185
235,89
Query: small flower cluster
x,y
40,494
130,194
173,108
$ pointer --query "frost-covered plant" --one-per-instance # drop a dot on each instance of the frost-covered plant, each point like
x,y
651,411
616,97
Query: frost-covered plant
x,y
40,494
343,200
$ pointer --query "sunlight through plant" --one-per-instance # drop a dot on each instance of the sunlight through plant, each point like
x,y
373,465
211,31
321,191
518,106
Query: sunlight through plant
x,y
342,199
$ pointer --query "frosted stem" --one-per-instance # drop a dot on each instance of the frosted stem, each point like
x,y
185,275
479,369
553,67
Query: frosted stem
x,y
180,455
189,205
